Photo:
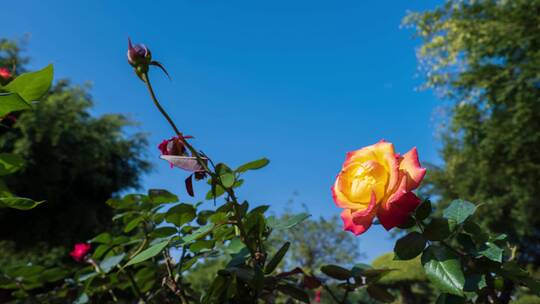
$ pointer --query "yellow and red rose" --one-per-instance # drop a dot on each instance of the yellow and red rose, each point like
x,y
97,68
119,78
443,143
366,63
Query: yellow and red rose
x,y
376,181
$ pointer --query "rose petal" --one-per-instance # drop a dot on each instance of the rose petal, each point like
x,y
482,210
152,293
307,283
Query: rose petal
x,y
377,152
339,198
360,220
411,166
393,179
400,205
188,163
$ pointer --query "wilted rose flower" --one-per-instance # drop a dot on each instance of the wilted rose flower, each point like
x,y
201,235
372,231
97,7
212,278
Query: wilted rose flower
x,y
5,73
375,181
138,54
174,151
80,250
172,146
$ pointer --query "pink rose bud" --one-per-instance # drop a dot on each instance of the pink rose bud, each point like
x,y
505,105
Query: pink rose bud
x,y
140,58
5,73
80,250
138,54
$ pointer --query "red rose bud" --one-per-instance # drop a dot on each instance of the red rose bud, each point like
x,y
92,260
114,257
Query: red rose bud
x,y
5,73
80,250
318,296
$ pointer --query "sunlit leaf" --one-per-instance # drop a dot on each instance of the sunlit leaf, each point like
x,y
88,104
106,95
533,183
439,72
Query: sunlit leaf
x,y
31,86
443,269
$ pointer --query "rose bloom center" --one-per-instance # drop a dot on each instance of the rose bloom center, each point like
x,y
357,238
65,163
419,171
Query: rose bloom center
x,y
364,178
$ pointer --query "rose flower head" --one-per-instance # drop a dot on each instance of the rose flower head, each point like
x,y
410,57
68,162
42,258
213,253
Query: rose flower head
x,y
5,74
80,250
376,181
174,151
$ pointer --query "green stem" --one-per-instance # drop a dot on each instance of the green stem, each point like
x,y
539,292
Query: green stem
x,y
135,286
346,294
194,152
331,293
197,155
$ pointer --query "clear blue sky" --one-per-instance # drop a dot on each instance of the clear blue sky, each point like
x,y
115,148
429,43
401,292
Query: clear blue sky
x,y
299,82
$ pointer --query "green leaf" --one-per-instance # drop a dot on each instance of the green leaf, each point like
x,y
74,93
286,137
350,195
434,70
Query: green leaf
x,y
379,293
160,196
148,253
31,86
201,245
199,233
260,209
180,214
490,251
215,192
218,218
409,246
474,282
477,233
164,231
103,238
336,272
53,274
110,262
82,299
254,165
133,223
280,224
20,203
235,246
10,163
439,229
12,102
423,211
274,262
459,211
358,270
294,292
227,180
443,269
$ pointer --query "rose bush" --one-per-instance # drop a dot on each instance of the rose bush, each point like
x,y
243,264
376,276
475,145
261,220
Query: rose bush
x,y
376,181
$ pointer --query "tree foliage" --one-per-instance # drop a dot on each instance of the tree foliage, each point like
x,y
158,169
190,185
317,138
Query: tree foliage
x,y
73,161
485,57
313,243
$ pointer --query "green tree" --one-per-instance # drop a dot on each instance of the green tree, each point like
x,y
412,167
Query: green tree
x,y
407,278
10,55
316,242
74,161
484,55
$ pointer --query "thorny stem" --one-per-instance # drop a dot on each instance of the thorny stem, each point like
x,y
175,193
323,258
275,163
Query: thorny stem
x,y
98,269
171,281
202,163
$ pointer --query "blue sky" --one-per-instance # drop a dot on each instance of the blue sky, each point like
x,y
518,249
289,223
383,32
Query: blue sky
x,y
299,82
